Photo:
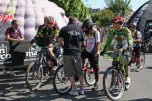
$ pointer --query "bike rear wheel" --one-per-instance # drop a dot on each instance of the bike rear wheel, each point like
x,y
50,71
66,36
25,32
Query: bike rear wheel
x,y
113,84
61,83
89,77
34,76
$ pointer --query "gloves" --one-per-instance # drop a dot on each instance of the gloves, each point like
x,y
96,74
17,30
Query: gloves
x,y
101,53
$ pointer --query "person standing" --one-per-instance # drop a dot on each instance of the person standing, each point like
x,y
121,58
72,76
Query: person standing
x,y
15,37
136,35
91,52
72,38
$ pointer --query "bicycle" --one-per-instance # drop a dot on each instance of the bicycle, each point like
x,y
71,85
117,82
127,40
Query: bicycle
x,y
35,71
114,77
65,85
147,44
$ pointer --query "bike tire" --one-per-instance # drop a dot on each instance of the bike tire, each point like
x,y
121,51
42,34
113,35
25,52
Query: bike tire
x,y
59,78
89,77
114,84
32,68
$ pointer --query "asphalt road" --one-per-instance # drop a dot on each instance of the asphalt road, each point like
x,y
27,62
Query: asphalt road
x,y
14,88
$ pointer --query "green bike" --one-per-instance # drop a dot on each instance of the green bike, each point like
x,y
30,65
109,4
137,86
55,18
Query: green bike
x,y
114,77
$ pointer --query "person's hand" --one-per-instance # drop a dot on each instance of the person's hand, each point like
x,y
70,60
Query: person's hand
x,y
95,55
101,53
20,40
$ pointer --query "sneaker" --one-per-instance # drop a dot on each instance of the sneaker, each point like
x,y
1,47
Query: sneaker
x,y
138,69
128,80
12,74
81,91
74,93
141,67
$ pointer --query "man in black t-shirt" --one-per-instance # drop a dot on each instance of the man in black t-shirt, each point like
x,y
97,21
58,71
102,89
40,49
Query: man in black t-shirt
x,y
72,36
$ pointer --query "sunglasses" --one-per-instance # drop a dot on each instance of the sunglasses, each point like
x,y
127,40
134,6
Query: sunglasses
x,y
132,26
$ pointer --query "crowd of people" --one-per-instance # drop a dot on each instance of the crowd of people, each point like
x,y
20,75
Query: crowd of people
x,y
72,38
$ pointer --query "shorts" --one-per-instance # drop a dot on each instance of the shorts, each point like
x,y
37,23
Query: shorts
x,y
72,65
93,60
137,51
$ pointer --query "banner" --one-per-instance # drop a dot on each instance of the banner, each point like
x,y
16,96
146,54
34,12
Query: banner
x,y
142,16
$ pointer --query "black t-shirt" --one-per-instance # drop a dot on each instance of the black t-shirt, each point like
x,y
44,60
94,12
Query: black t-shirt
x,y
43,36
72,36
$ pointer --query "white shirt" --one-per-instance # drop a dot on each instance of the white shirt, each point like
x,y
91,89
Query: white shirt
x,y
92,40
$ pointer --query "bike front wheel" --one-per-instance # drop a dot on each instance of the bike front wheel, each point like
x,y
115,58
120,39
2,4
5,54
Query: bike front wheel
x,y
33,76
113,84
61,83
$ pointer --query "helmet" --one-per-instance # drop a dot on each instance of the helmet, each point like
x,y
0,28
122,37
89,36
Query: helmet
x,y
117,20
51,20
87,23
133,24
149,26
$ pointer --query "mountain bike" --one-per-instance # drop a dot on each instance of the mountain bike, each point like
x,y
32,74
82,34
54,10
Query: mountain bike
x,y
114,77
38,71
62,84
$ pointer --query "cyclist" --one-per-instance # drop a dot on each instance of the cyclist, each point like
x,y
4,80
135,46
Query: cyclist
x,y
117,33
92,48
43,38
136,35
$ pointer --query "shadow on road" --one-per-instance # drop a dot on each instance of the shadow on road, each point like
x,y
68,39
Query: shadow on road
x,y
143,99
14,89
148,68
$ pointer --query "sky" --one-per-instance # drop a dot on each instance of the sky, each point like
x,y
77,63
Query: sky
x,y
101,4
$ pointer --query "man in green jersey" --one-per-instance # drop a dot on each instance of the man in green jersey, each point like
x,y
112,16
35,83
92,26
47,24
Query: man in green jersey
x,y
116,33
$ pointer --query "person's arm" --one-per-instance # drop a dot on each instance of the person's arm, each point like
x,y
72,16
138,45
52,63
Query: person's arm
x,y
138,40
60,38
21,37
109,40
8,38
97,47
128,36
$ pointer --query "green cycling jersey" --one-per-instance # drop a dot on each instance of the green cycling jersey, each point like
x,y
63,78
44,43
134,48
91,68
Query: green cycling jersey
x,y
124,31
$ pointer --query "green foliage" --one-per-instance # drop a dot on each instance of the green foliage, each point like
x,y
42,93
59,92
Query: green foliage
x,y
73,8
102,18
119,7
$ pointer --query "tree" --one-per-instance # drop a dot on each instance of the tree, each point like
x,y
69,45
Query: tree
x,y
73,8
103,18
119,7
